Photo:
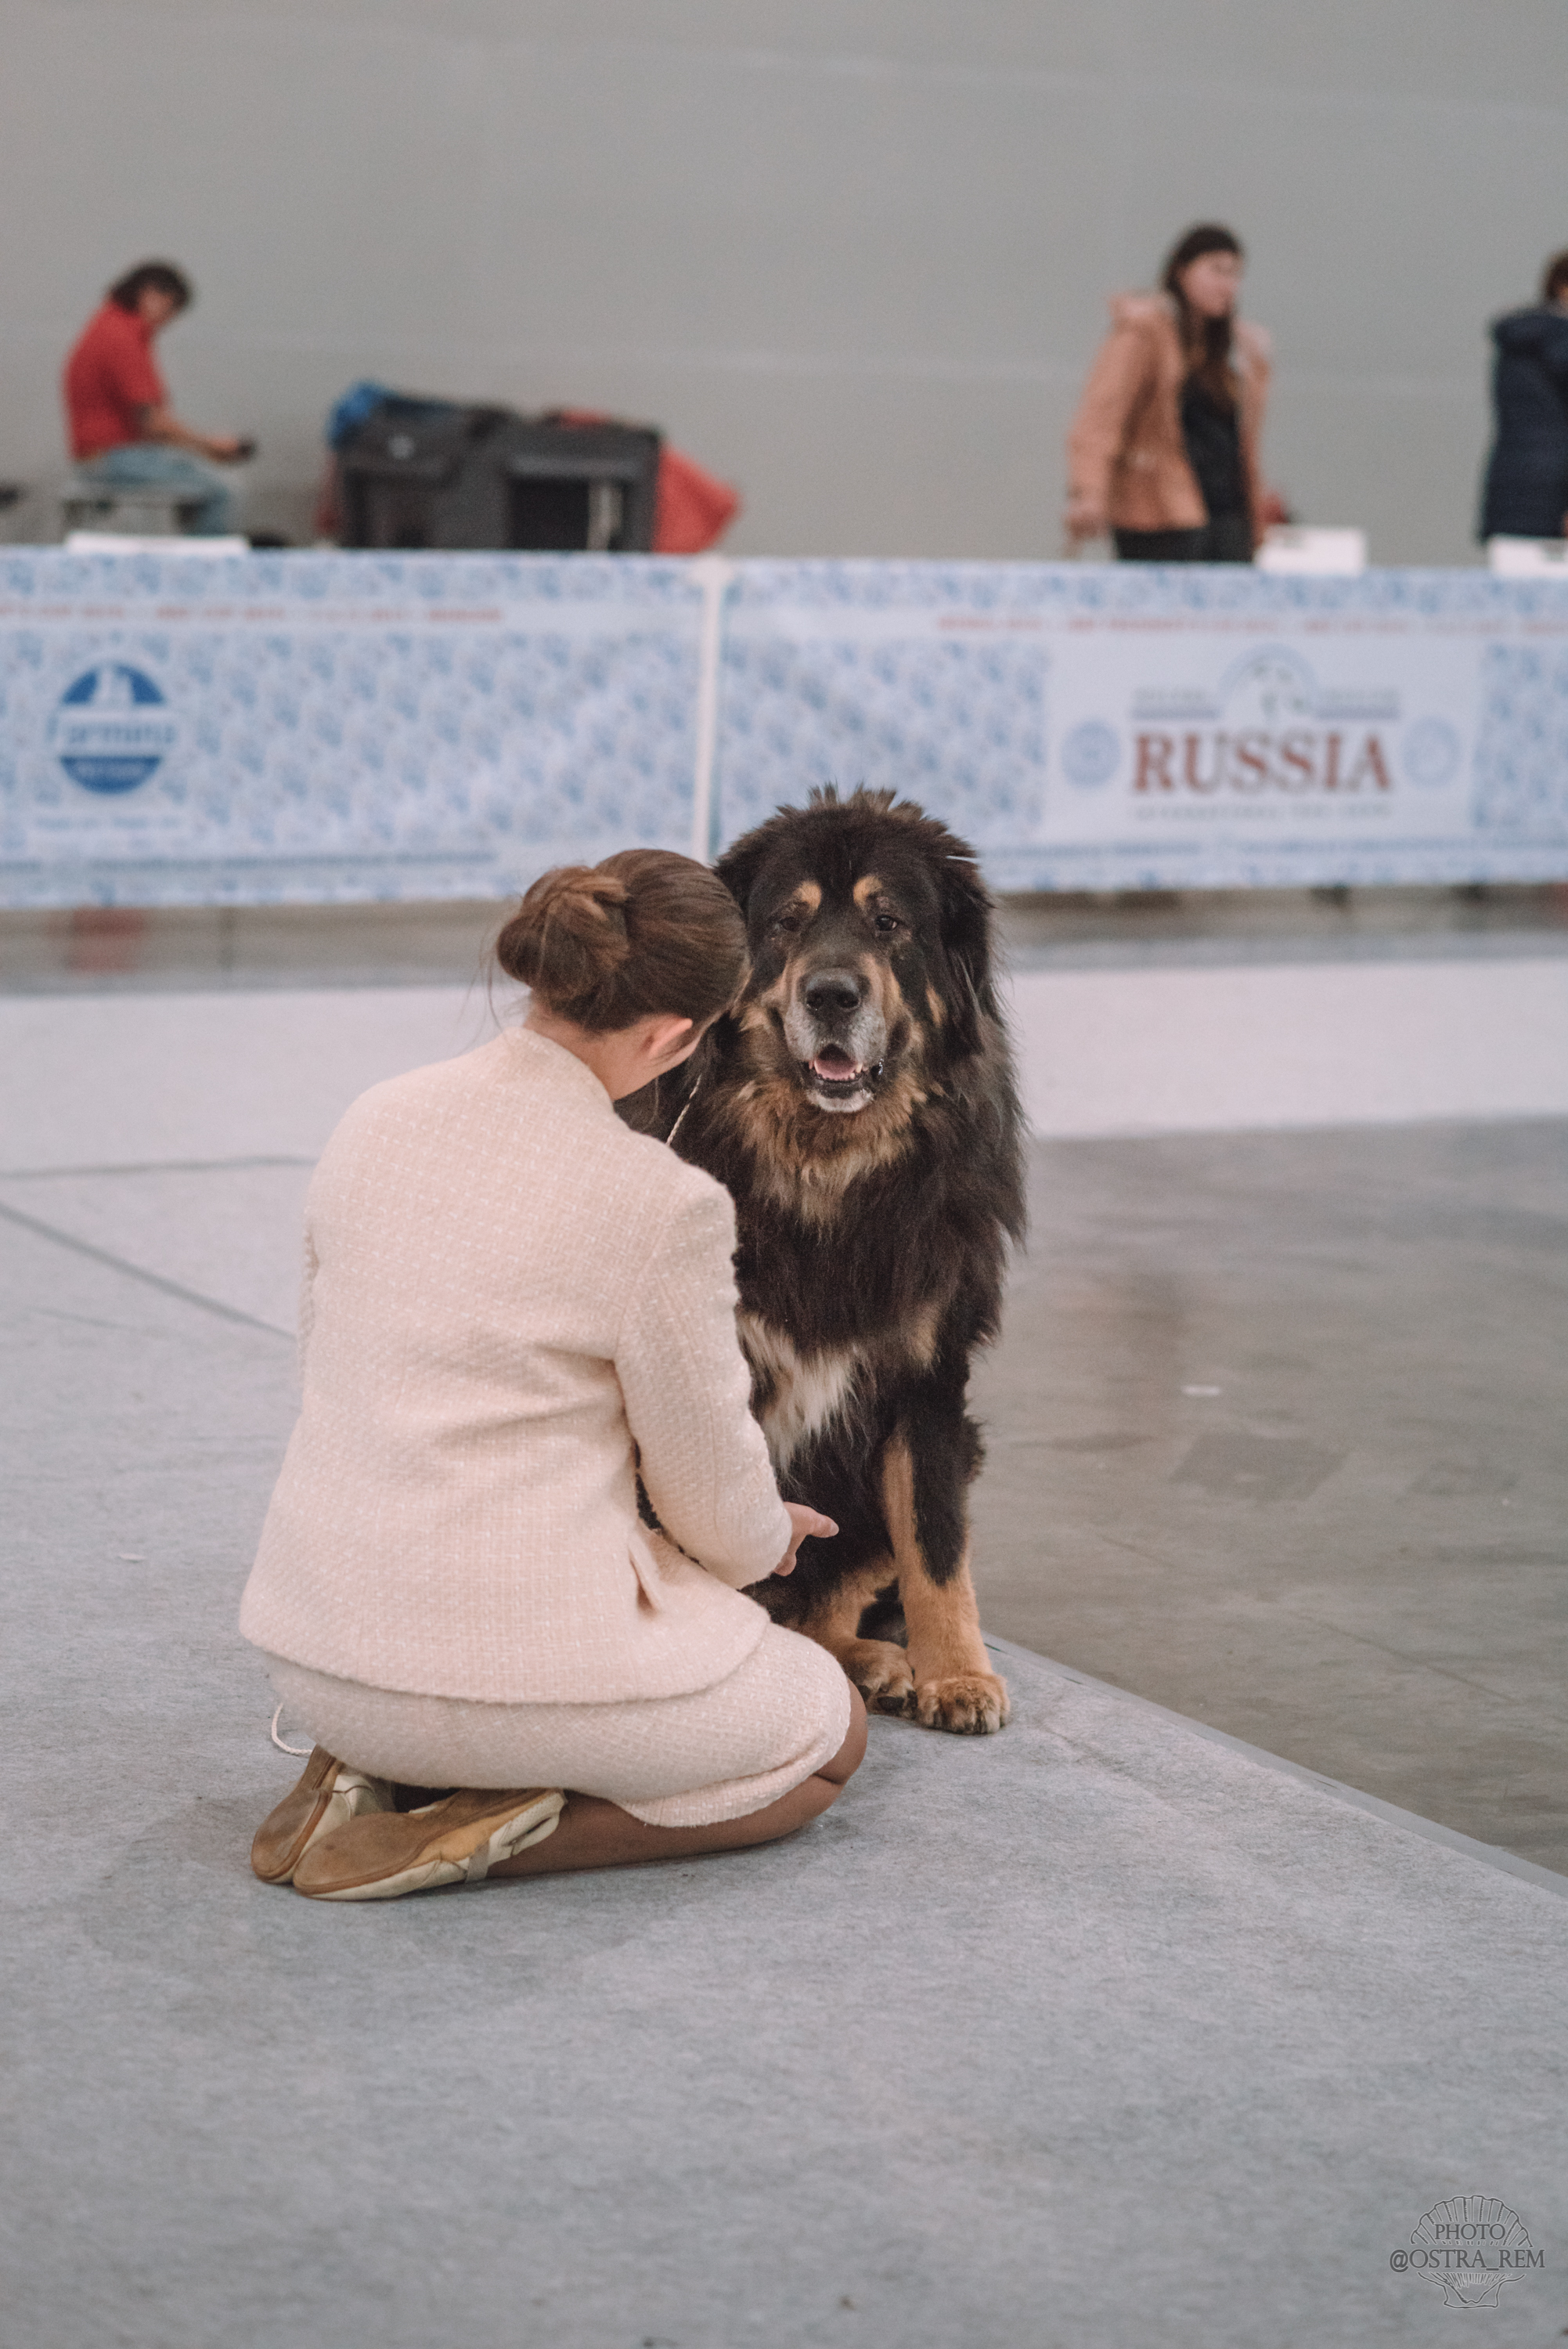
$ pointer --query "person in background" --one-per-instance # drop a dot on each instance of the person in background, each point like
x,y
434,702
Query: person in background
x,y
1163,452
123,432
1525,493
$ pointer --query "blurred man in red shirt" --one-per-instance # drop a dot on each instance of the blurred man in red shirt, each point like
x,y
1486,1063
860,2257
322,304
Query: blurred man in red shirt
x,y
123,432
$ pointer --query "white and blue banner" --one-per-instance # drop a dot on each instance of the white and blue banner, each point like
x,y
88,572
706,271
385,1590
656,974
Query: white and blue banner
x,y
1126,728
207,731
184,729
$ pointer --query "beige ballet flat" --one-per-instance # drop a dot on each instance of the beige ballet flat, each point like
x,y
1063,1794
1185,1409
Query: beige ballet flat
x,y
456,1841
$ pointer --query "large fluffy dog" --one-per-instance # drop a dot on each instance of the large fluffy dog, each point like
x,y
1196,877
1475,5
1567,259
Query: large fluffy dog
x,y
860,1108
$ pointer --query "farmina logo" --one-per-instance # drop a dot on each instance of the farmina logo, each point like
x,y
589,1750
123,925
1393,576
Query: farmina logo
x,y
113,729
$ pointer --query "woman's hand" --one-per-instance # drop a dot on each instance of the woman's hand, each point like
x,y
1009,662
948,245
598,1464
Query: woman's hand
x,y
804,1523
1085,517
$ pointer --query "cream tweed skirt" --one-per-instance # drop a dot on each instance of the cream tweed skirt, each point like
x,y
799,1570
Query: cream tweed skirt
x,y
672,1761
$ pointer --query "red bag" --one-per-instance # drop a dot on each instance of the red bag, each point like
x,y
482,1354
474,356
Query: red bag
x,y
691,508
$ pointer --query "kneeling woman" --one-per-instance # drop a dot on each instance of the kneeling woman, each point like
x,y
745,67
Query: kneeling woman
x,y
514,1306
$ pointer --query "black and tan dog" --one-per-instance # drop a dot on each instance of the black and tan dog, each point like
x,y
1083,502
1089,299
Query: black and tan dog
x,y
860,1108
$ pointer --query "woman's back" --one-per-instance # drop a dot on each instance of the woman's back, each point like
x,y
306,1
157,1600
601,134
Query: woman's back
x,y
491,1257
1526,492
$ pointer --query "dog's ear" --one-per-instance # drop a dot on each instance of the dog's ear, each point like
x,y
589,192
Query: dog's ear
x,y
738,866
966,942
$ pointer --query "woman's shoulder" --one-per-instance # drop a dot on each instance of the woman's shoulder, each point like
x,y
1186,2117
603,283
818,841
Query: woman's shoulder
x,y
543,1114
1153,316
1539,327
681,1211
396,1100
493,1098
679,1186
1142,313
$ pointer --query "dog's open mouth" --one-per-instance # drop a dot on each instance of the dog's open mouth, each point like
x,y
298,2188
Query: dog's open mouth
x,y
836,1075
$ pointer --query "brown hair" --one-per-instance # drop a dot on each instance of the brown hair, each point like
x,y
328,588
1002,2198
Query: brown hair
x,y
1206,342
645,932
162,276
1554,278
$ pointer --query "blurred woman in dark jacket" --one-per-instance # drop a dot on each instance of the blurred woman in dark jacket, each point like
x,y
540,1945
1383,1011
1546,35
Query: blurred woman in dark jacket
x,y
1526,490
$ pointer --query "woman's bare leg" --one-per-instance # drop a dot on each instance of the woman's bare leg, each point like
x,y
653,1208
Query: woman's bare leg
x,y
596,1834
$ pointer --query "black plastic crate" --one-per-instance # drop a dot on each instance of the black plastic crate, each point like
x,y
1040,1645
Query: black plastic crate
x,y
434,473
581,488
423,472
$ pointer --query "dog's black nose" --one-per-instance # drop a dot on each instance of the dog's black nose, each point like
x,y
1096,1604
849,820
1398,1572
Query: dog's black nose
x,y
827,991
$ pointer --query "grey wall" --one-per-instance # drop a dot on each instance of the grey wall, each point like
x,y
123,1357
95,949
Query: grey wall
x,y
852,254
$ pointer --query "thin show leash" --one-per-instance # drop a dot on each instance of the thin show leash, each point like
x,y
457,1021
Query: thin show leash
x,y
686,1110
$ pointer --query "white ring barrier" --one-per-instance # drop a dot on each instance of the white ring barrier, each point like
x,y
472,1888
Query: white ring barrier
x,y
177,729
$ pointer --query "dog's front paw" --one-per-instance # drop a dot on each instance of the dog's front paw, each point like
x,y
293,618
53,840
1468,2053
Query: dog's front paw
x,y
970,1705
881,1672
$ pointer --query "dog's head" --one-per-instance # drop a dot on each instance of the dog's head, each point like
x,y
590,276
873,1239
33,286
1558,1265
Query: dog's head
x,y
868,929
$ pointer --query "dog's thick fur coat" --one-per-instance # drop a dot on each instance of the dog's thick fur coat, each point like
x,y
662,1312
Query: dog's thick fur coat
x,y
859,1105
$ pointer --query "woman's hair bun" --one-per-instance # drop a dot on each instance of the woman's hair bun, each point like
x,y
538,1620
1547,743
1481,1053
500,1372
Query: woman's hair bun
x,y
569,934
646,932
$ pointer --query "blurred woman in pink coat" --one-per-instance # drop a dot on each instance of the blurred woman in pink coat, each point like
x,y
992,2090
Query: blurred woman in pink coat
x,y
515,1311
1164,450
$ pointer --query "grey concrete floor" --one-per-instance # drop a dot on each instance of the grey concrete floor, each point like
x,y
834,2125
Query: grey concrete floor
x,y
1096,2034
1101,2033
1279,1438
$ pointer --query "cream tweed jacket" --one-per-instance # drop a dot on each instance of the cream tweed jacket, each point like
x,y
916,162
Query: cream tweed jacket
x,y
511,1300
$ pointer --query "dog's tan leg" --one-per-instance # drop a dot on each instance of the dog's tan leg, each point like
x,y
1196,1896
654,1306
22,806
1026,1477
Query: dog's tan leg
x,y
878,1670
954,1687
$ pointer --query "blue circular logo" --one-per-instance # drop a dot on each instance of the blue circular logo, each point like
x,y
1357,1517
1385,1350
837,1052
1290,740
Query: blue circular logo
x,y
112,729
1431,752
1091,754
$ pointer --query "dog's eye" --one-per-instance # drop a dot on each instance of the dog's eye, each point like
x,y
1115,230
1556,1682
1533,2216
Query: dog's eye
x,y
886,924
784,926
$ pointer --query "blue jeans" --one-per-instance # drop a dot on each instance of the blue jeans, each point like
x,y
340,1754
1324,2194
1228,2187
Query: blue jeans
x,y
148,465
